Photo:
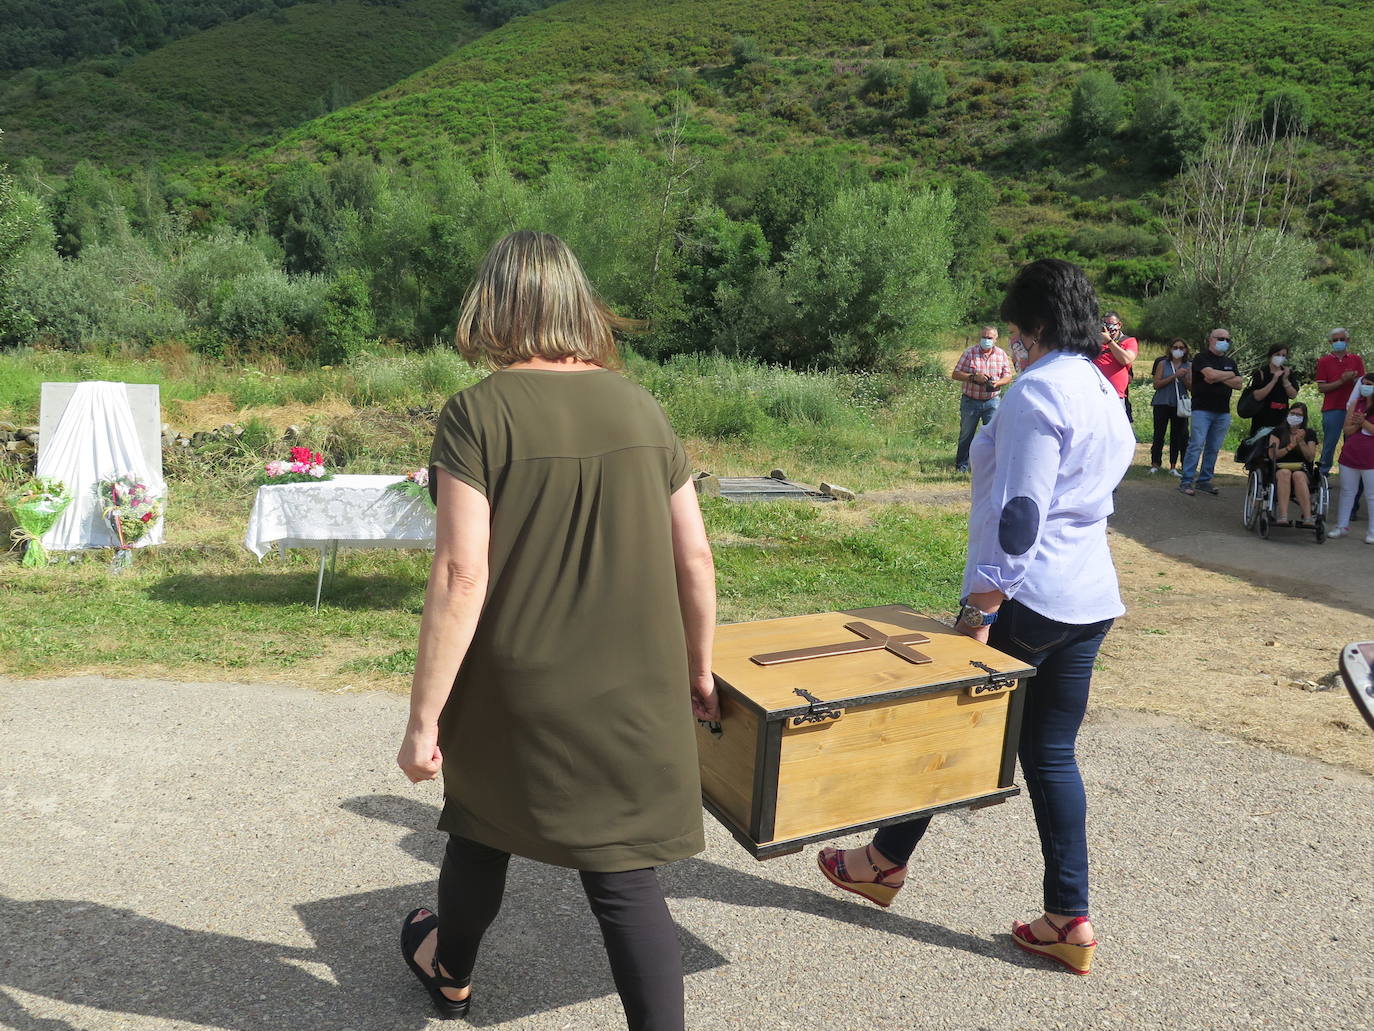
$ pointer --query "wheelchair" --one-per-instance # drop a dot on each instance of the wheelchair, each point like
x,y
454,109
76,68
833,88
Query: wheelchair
x,y
1261,498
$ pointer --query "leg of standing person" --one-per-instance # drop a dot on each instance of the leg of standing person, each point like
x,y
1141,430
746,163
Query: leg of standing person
x,y
642,945
472,882
1349,480
1219,422
1178,442
1197,440
1056,700
1332,424
1367,484
969,414
1163,414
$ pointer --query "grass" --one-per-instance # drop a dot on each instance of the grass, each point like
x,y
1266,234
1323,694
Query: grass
x,y
201,607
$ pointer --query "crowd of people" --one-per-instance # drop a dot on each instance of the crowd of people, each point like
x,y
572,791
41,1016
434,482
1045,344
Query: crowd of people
x,y
1192,412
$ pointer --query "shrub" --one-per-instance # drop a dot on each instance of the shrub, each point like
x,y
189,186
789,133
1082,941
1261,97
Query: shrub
x,y
882,80
1097,108
745,50
268,306
344,321
928,91
1288,112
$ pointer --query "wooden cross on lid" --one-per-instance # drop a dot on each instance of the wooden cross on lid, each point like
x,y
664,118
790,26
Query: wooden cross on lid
x,y
873,640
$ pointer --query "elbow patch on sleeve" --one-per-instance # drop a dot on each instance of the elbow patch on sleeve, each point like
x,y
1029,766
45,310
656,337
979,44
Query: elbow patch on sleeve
x,y
1019,526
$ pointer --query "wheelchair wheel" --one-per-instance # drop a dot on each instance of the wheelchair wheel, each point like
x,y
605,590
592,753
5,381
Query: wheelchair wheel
x,y
1320,525
1321,497
1254,499
1262,523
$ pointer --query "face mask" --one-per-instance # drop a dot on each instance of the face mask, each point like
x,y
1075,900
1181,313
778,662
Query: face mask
x,y
985,343
1223,346
1367,389
1295,420
1278,360
1339,345
1178,353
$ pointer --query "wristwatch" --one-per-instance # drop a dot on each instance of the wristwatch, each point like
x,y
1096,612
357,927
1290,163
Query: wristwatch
x,y
973,617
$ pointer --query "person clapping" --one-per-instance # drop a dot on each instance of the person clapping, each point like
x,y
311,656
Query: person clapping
x,y
1293,449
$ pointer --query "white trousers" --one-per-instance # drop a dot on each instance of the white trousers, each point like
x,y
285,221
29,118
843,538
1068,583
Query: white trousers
x,y
1350,483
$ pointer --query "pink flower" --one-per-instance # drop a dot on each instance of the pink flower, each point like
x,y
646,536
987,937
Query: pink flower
x,y
317,471
147,516
421,476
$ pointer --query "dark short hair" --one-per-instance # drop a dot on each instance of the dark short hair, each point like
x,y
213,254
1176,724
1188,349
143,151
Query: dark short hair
x,y
1052,300
1276,348
1177,342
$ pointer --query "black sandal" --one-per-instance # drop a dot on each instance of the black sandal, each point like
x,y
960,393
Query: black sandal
x,y
413,932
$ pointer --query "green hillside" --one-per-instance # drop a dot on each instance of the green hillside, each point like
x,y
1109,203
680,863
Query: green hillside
x,y
215,91
561,82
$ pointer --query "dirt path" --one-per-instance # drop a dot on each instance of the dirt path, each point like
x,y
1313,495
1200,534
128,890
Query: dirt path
x,y
1225,630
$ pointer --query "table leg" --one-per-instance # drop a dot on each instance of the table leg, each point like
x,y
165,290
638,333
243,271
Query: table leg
x,y
319,581
333,561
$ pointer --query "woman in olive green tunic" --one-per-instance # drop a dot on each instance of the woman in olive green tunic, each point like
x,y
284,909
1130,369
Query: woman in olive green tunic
x,y
565,643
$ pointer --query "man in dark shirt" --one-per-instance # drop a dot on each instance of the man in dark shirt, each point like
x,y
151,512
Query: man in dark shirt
x,y
1215,375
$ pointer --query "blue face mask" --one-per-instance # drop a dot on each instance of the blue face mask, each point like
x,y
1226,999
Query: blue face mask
x,y
1223,346
985,343
1367,389
1339,345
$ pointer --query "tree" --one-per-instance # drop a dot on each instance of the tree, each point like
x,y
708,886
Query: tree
x,y
1097,108
20,215
1230,218
302,216
1288,112
1169,129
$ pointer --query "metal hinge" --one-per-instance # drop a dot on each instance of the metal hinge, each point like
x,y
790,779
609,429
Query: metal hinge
x,y
996,682
817,712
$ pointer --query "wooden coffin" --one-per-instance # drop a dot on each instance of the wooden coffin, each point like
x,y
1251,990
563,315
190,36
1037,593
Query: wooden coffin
x,y
813,744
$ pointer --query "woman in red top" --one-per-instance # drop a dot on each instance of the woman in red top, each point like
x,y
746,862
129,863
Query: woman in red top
x,y
1357,457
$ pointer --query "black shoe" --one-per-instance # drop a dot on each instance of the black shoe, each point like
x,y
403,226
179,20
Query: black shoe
x,y
1207,488
413,932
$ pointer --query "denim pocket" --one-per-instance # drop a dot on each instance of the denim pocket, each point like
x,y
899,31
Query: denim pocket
x,y
1033,634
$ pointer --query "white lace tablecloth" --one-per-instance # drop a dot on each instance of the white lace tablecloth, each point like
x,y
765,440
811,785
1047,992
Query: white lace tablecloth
x,y
348,511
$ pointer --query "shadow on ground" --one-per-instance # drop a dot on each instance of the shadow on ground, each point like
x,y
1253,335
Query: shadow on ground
x,y
544,952
382,591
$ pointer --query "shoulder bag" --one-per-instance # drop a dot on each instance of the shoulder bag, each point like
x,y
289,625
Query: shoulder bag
x,y
1184,405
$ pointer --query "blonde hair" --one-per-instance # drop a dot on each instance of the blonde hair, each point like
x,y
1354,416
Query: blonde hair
x,y
531,299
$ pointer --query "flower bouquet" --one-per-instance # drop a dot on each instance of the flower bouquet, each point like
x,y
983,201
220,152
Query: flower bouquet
x,y
37,504
415,485
132,509
304,466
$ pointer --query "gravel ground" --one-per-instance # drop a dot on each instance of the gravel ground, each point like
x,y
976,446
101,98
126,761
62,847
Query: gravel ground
x,y
240,857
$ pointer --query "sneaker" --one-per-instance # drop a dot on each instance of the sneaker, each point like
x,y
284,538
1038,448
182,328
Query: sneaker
x,y
1369,538
1154,469
1175,472
1339,531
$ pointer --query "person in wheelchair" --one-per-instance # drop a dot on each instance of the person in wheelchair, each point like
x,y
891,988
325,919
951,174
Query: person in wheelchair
x,y
1291,453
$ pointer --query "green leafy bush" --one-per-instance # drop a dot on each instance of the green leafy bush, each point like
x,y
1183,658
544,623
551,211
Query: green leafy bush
x,y
1097,108
928,91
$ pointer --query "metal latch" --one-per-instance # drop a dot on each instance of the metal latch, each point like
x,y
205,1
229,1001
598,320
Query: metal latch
x,y
996,682
816,712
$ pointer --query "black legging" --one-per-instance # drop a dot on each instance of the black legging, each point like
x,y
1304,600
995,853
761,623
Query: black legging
x,y
1166,416
641,939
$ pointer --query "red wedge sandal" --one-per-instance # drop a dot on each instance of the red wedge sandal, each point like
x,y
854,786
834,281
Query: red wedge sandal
x,y
880,892
1077,958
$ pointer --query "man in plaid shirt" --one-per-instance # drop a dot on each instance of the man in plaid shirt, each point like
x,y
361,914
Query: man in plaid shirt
x,y
984,369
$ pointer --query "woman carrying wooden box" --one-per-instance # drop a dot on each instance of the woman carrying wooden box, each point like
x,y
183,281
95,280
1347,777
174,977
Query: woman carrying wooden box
x,y
1039,585
566,638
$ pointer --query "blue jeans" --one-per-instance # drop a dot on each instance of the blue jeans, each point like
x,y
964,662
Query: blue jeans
x,y
1208,434
1057,697
1332,424
971,413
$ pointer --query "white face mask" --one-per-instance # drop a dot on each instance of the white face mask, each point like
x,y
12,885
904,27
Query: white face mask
x,y
1295,420
1278,361
986,343
1178,353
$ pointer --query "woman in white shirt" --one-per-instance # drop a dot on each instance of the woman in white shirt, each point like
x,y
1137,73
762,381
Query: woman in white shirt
x,y
1039,585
